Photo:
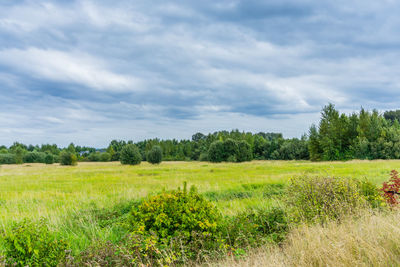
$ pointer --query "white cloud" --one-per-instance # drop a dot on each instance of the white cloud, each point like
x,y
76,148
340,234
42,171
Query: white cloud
x,y
70,67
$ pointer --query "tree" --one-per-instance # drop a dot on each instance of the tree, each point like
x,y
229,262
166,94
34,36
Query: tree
x,y
105,156
244,151
392,115
130,154
68,158
216,151
154,156
49,159
230,150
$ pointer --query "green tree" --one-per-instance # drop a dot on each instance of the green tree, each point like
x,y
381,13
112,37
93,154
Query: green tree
x,y
68,158
130,154
244,151
216,151
154,156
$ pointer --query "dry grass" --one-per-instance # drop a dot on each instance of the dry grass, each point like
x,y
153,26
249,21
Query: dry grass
x,y
372,240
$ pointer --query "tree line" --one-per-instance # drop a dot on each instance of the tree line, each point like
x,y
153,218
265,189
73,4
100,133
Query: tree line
x,y
337,136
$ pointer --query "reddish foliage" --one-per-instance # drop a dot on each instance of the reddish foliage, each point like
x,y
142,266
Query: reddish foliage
x,y
391,188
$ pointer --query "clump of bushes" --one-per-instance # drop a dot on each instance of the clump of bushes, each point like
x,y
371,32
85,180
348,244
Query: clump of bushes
x,y
99,157
177,219
154,156
34,157
68,158
31,243
319,199
49,158
230,151
255,227
7,158
390,189
130,155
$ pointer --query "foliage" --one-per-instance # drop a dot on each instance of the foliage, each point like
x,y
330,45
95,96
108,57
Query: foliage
x,y
99,157
371,193
33,244
391,189
176,212
49,158
130,155
319,199
366,135
68,158
105,156
244,152
34,157
175,219
154,156
253,227
230,150
216,151
7,158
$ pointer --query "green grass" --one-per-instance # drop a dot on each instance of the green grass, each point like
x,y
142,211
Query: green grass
x,y
70,196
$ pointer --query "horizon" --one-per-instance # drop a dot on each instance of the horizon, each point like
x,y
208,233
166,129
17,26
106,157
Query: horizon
x,y
89,72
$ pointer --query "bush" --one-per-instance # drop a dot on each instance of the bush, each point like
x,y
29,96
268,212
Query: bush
x,y
254,227
68,158
95,157
371,194
203,156
244,152
318,199
391,189
154,156
130,155
49,159
176,212
7,159
32,244
105,157
34,157
182,221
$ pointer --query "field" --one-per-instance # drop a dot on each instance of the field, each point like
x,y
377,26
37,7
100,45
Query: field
x,y
64,194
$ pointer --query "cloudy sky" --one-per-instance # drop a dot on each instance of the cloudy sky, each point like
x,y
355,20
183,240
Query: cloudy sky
x,y
93,71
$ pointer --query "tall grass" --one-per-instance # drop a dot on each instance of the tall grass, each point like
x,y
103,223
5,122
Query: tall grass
x,y
369,240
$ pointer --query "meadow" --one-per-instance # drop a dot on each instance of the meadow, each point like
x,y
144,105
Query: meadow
x,y
65,194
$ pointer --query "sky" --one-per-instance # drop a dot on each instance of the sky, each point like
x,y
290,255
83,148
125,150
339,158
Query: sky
x,y
91,71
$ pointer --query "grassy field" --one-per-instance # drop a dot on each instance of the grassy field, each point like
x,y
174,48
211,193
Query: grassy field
x,y
33,190
60,193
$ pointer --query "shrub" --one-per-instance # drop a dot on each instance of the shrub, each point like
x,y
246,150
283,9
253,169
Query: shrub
x,y
95,156
7,158
391,189
216,151
178,211
34,157
32,244
203,156
254,227
19,153
105,156
244,152
49,159
318,199
371,193
154,156
130,155
185,222
68,158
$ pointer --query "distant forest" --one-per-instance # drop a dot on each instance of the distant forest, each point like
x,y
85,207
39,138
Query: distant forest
x,y
338,136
